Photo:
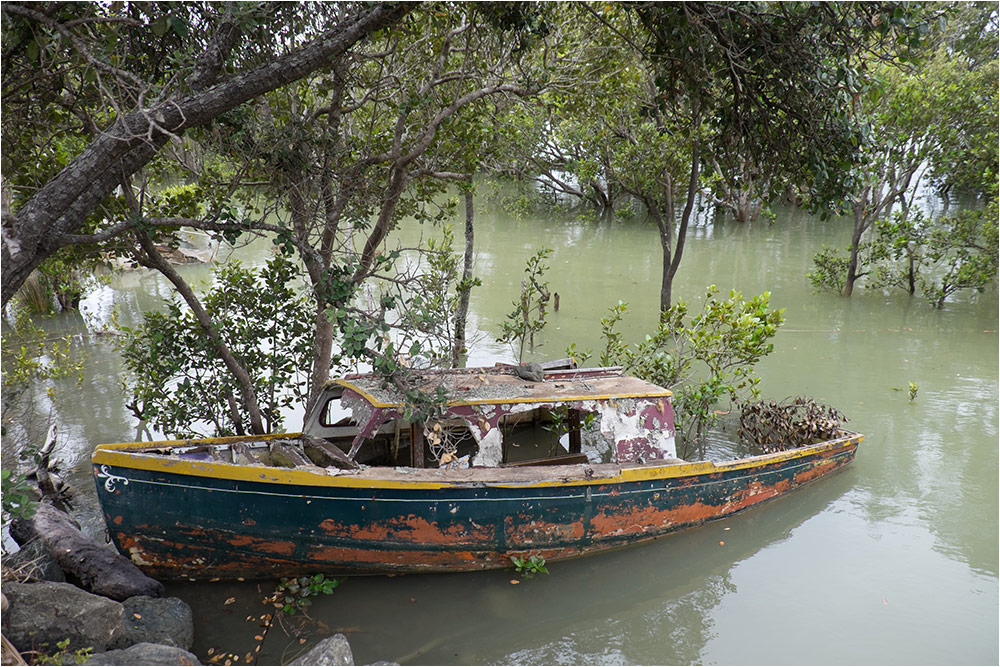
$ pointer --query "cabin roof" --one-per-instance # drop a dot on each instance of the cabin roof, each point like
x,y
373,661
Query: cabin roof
x,y
498,385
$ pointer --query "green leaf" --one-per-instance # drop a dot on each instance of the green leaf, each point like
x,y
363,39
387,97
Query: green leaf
x,y
159,26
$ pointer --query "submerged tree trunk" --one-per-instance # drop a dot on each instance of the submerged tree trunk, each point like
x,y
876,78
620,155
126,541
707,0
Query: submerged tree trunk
x,y
465,286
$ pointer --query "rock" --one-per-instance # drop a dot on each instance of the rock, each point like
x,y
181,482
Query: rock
x,y
45,613
532,372
330,651
141,654
165,621
34,562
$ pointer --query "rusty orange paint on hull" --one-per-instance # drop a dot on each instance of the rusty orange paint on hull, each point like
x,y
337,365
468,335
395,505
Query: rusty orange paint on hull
x,y
299,530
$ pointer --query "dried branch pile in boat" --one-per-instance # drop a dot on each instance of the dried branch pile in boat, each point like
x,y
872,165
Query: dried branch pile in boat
x,y
796,423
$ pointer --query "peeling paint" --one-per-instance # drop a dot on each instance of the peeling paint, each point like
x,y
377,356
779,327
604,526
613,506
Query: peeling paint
x,y
179,526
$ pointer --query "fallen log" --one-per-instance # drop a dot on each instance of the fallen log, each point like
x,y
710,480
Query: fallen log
x,y
99,569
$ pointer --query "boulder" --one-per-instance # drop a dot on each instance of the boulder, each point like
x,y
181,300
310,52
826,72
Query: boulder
x,y
165,621
141,654
34,562
333,650
45,613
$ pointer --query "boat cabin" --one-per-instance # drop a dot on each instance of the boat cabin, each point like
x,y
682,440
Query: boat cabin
x,y
492,418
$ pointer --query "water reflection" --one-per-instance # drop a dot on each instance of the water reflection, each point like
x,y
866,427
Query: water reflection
x,y
613,608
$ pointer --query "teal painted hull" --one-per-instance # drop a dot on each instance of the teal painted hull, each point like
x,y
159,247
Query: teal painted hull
x,y
200,526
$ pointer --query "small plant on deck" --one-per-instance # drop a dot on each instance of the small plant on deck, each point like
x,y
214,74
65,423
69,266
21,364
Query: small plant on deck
x,y
529,566
703,359
528,317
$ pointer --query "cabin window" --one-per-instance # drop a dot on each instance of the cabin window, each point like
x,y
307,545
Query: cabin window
x,y
544,436
334,413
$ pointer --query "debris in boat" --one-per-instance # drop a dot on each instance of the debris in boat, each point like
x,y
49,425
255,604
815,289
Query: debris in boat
x,y
532,372
782,426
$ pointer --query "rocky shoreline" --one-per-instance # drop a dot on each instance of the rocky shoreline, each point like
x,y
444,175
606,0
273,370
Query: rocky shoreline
x,y
45,615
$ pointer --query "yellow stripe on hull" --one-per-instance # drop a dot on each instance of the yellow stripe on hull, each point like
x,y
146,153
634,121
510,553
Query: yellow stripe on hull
x,y
121,455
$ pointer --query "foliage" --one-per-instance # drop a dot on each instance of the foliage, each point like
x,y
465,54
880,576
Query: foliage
x,y
30,355
529,566
938,256
703,359
293,594
31,358
936,122
528,316
829,270
180,386
559,421
17,501
578,357
432,299
63,656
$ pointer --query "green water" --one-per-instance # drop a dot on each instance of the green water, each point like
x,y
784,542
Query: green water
x,y
892,561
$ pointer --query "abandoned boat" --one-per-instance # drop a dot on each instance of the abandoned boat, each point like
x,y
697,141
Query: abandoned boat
x,y
499,473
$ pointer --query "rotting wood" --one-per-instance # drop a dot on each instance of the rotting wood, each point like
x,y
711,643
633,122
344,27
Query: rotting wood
x,y
416,446
575,437
324,454
565,459
287,456
243,455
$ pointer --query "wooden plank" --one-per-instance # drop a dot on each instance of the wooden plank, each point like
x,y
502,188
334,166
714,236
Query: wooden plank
x,y
287,456
575,437
416,445
565,459
324,453
243,455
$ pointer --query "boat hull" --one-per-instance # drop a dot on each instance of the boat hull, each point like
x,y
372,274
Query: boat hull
x,y
179,519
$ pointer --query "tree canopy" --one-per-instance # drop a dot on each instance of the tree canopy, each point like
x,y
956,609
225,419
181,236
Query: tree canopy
x,y
325,126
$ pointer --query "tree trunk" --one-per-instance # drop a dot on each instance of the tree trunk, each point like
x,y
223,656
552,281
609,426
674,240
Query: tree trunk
x,y
154,260
465,288
852,265
671,264
62,205
666,278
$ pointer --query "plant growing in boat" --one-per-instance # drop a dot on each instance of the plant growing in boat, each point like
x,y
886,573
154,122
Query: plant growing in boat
x,y
528,316
177,379
529,566
293,594
800,422
560,421
702,359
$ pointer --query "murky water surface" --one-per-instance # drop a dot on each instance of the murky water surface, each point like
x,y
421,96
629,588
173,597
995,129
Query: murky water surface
x,y
892,561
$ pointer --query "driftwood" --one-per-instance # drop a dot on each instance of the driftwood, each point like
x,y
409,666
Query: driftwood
x,y
46,475
99,569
